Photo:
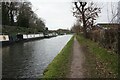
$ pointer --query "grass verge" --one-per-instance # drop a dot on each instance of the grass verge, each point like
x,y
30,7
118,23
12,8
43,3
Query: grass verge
x,y
59,67
99,62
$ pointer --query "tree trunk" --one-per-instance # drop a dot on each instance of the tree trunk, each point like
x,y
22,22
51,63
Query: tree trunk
x,y
84,23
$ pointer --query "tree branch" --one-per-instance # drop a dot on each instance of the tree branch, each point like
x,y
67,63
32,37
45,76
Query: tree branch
x,y
77,7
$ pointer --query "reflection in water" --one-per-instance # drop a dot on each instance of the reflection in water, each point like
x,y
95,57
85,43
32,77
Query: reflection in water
x,y
29,59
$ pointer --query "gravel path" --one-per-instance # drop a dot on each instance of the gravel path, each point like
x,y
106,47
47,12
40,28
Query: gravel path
x,y
78,58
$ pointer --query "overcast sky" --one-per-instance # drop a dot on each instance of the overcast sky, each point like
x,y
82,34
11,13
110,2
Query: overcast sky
x,y
58,13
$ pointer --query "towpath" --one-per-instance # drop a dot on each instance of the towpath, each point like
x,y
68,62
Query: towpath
x,y
77,70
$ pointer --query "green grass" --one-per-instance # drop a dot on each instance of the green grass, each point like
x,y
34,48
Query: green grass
x,y
100,62
59,67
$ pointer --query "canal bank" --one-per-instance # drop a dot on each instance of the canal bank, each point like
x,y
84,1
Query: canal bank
x,y
60,66
89,60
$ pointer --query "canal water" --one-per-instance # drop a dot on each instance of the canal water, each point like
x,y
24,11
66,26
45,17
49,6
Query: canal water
x,y
29,59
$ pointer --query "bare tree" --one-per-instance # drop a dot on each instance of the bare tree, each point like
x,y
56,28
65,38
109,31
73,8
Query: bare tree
x,y
114,12
118,13
76,27
86,13
118,20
